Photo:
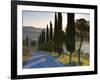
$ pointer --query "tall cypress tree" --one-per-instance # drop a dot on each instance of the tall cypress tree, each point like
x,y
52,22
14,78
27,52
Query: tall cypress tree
x,y
70,32
43,35
55,25
58,33
59,21
40,37
47,34
55,32
51,31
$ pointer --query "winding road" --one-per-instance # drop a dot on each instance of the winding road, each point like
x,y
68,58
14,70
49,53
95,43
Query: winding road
x,y
41,59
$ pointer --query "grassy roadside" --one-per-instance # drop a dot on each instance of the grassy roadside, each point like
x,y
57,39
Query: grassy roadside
x,y
27,53
64,58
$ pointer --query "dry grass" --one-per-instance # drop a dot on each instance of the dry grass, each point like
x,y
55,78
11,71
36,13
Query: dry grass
x,y
27,53
64,58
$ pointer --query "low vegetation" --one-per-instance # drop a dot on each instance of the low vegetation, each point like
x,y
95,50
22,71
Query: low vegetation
x,y
64,59
27,53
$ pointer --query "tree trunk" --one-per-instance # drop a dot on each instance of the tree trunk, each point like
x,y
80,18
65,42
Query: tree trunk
x,y
70,57
79,50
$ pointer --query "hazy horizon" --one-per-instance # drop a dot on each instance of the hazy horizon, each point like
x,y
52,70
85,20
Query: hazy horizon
x,y
40,19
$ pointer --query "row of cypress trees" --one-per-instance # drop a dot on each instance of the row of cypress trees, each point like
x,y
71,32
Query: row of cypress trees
x,y
46,34
49,34
58,36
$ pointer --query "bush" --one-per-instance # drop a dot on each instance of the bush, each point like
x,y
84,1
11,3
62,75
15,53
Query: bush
x,y
47,46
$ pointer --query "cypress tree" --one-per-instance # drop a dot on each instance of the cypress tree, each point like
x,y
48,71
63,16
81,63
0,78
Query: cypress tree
x,y
59,21
70,32
51,31
40,37
55,32
47,34
55,25
43,35
58,33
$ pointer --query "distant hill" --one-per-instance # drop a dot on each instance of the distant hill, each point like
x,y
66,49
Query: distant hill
x,y
31,32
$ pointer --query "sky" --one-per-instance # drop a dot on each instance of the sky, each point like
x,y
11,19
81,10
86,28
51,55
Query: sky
x,y
42,19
